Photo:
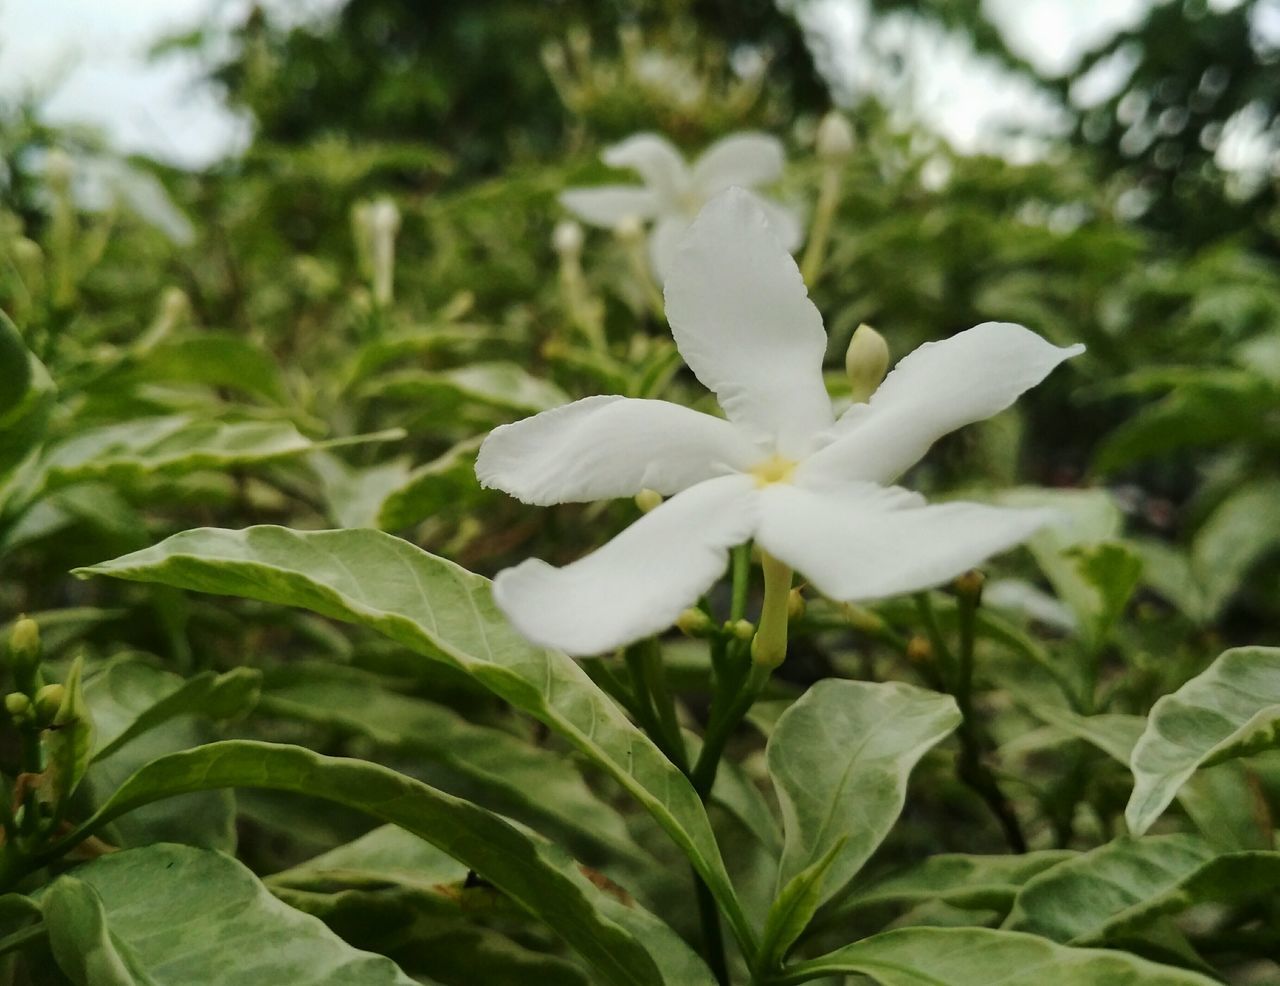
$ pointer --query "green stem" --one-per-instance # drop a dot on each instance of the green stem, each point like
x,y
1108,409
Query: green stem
x,y
741,581
941,653
712,933
721,728
820,232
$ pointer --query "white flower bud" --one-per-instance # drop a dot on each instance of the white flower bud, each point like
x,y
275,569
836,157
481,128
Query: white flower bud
x,y
566,238
834,140
866,362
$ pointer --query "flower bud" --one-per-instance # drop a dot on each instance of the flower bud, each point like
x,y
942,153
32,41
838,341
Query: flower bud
x,y
24,644
969,585
17,705
834,140
566,239
919,651
861,618
742,629
648,499
47,702
693,622
866,362
795,604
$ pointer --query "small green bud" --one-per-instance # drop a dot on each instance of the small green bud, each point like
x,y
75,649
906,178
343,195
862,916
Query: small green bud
x,y
834,139
742,629
969,585
693,622
648,499
47,702
24,643
861,618
866,362
17,705
795,604
919,651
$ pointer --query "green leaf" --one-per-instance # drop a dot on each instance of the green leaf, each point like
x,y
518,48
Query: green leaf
x,y
793,908
444,484
839,758
1231,709
68,741
174,916
958,879
981,957
132,698
1081,900
496,769
355,495
26,400
532,872
502,386
214,359
446,614
81,941
1114,733
1091,571
123,698
1239,533
166,446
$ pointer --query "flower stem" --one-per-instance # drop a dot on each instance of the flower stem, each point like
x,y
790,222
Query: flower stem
x,y
712,934
820,231
770,644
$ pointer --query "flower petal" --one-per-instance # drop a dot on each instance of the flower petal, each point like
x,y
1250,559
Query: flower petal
x,y
664,244
745,325
785,222
744,159
639,582
608,205
867,542
655,159
935,390
603,447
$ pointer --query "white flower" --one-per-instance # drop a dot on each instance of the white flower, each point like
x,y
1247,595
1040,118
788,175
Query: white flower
x,y
673,192
809,488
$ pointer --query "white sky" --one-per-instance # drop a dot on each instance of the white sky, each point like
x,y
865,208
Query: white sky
x,y
89,54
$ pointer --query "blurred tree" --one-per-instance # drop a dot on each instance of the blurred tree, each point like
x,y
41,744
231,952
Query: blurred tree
x,y
467,78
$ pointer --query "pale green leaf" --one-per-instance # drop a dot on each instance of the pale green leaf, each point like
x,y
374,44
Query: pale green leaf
x,y
447,614
840,757
983,957
1231,709
532,872
175,916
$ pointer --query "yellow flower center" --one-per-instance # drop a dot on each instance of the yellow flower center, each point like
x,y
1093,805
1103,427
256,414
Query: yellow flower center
x,y
774,469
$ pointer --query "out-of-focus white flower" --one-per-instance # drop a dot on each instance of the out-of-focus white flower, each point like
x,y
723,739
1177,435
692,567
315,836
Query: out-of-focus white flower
x,y
809,488
376,225
97,183
834,139
673,191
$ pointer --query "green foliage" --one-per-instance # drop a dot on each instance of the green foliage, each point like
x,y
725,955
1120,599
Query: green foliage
x,y
199,384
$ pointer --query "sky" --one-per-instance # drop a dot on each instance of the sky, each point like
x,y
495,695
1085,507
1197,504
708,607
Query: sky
x,y
90,56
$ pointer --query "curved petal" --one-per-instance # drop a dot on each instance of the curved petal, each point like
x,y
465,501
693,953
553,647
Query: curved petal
x,y
655,159
608,205
744,159
639,582
604,447
786,223
866,542
664,244
936,389
744,323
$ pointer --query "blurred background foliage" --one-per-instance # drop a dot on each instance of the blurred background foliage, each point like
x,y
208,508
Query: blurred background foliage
x,y
212,348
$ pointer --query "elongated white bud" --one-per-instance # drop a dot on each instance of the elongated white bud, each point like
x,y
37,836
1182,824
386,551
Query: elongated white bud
x,y
866,362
